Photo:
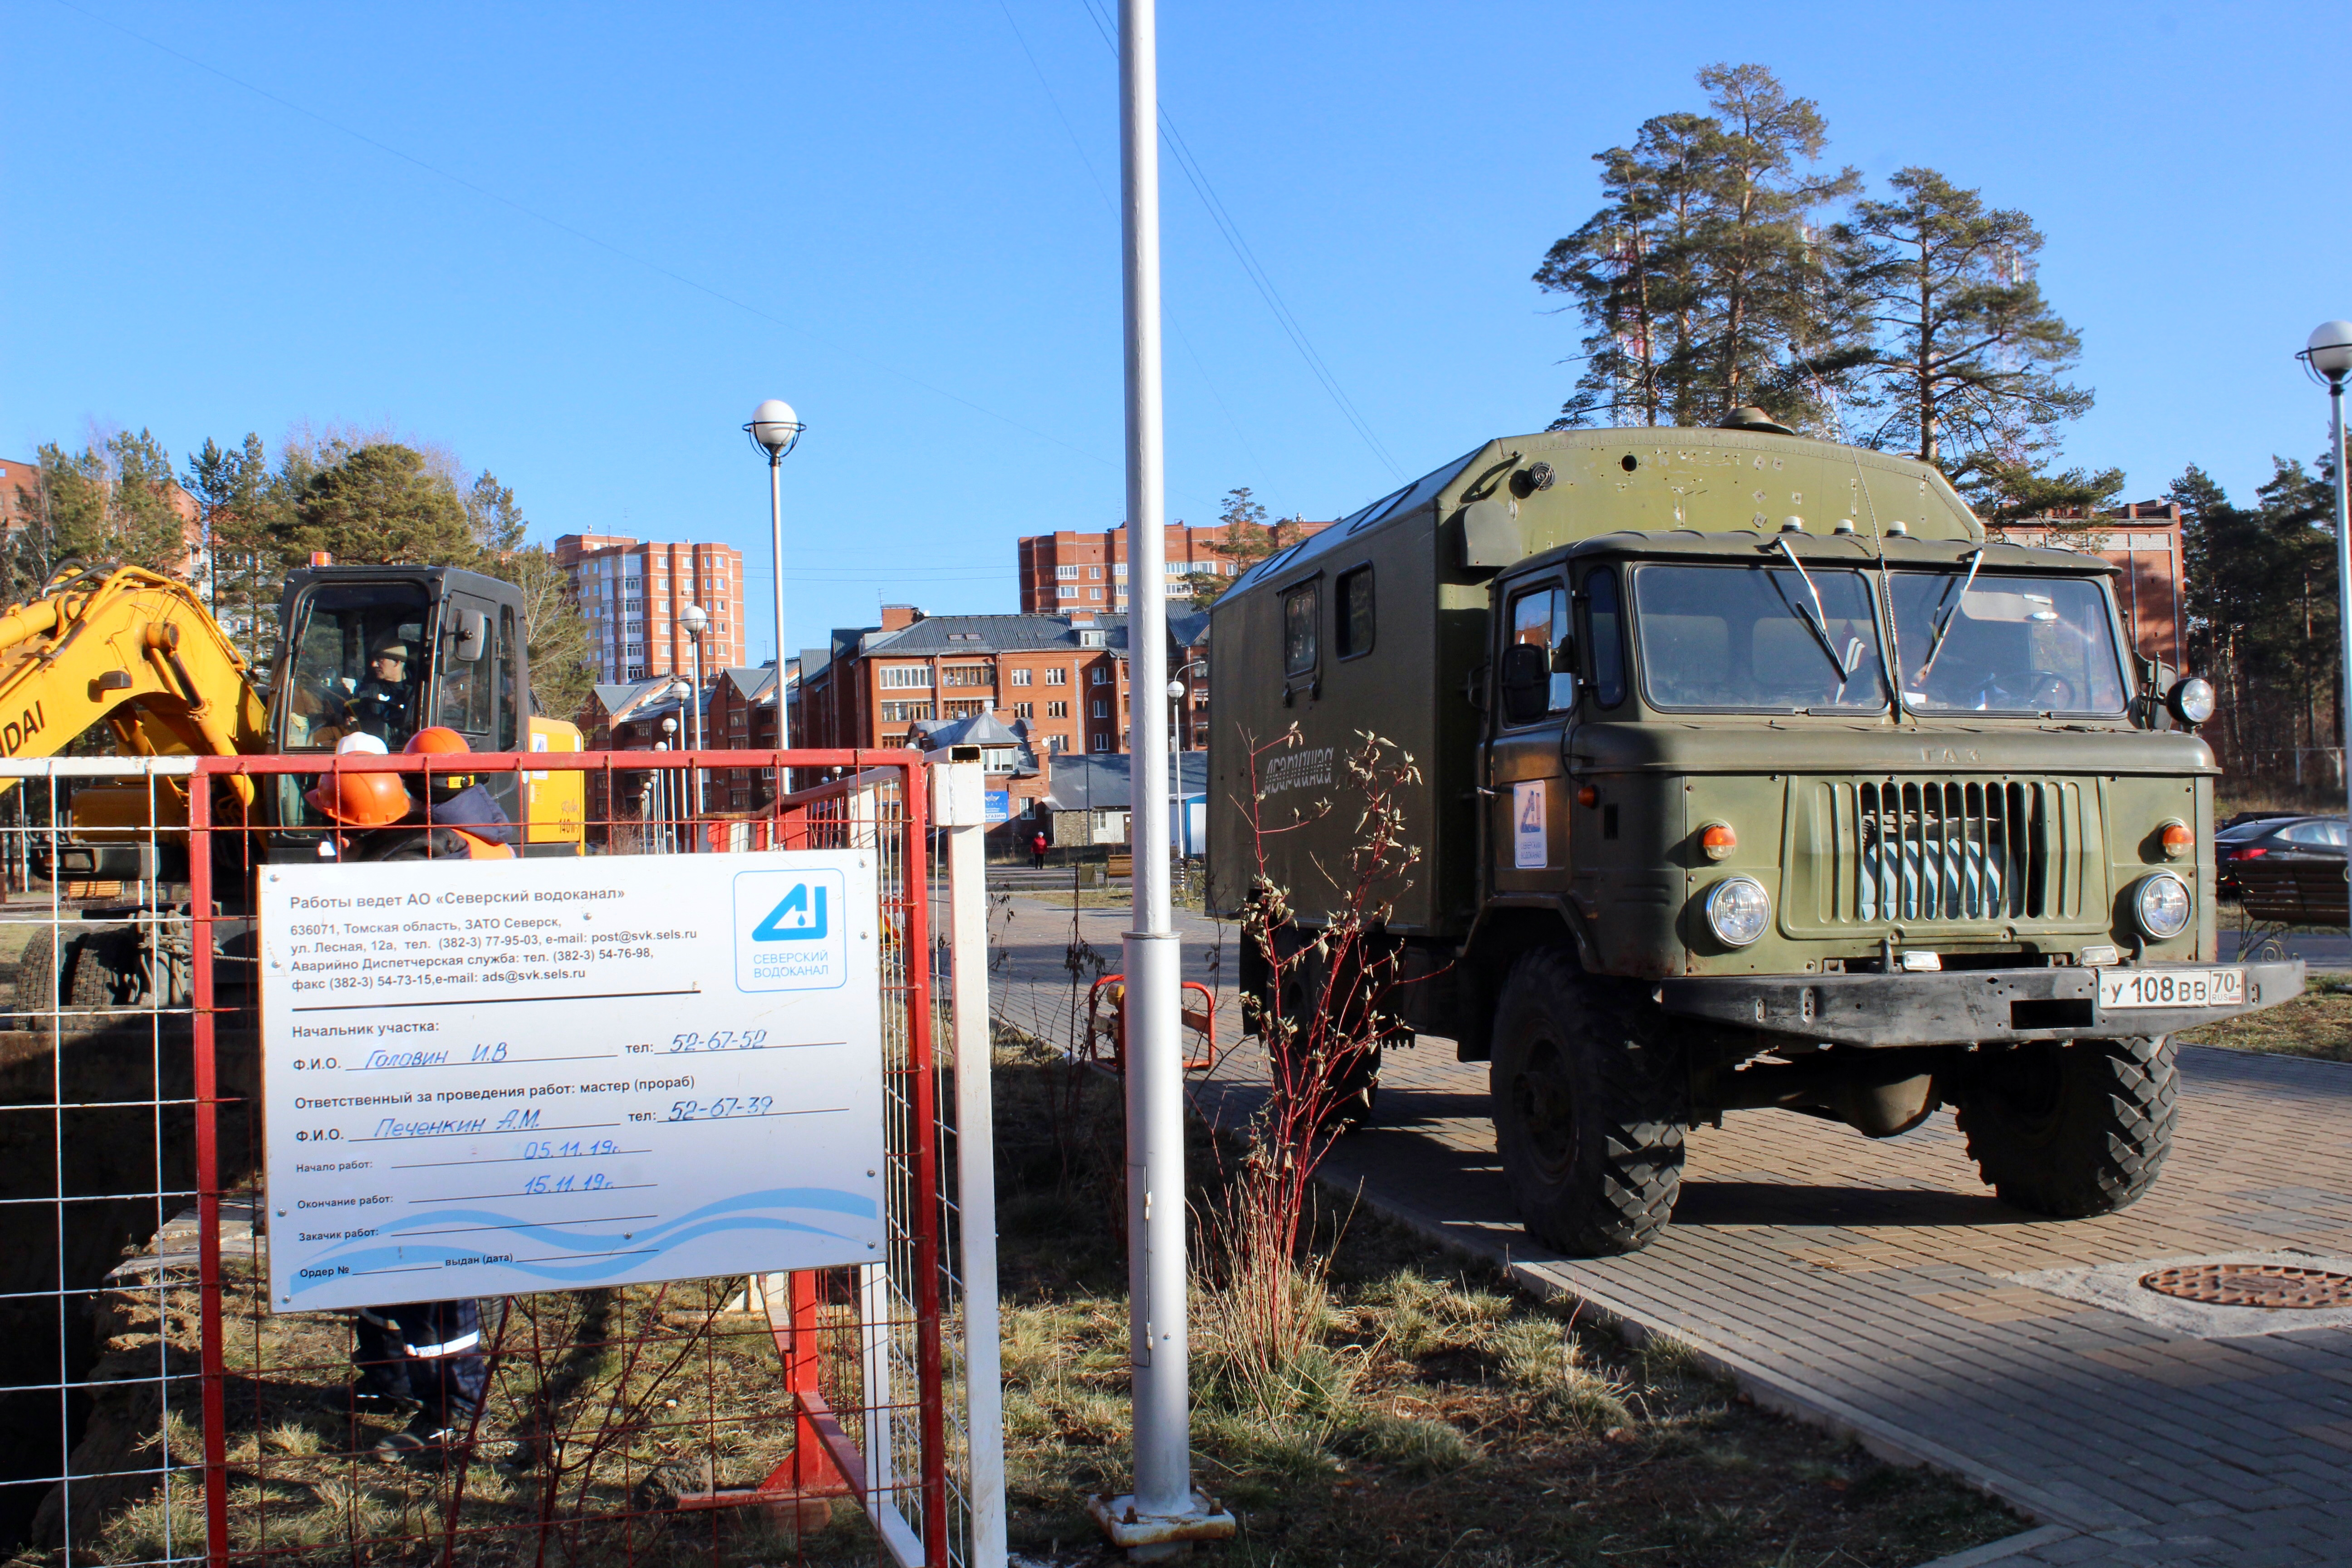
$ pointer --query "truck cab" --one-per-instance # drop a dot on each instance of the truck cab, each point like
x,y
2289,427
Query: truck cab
x,y
1756,775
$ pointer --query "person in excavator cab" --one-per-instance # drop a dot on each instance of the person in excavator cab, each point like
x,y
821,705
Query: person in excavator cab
x,y
382,704
420,1357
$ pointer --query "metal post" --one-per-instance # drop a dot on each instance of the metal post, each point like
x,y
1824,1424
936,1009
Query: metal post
x,y
698,727
1164,1510
776,538
2343,558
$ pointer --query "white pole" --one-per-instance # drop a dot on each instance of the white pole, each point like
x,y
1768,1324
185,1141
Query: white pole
x,y
2343,557
965,823
1158,1338
776,530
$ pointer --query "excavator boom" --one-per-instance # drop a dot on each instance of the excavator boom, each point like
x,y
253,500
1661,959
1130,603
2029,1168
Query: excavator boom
x,y
134,649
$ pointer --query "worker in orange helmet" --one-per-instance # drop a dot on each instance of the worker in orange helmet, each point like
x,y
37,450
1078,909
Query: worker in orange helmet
x,y
455,800
360,800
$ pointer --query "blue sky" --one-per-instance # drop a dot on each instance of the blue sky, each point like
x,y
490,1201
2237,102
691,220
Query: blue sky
x,y
576,244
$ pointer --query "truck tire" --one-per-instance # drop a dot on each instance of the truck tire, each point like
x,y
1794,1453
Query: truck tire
x,y
1588,1105
2073,1130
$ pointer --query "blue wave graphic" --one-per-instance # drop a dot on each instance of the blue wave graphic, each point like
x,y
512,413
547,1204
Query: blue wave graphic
x,y
742,1213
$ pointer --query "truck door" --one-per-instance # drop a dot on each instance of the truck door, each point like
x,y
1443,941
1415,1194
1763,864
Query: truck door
x,y
1535,692
473,686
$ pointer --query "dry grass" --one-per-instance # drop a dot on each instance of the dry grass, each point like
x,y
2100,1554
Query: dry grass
x,y
1432,1415
2316,1023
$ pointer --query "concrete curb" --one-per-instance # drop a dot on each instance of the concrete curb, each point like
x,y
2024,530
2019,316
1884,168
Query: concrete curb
x,y
2002,1550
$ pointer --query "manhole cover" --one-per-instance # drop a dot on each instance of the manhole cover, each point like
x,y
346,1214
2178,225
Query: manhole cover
x,y
2253,1284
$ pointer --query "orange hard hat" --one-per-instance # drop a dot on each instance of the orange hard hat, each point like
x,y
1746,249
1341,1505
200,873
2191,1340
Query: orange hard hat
x,y
435,740
361,800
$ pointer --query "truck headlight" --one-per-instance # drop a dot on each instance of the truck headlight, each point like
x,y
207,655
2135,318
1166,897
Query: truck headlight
x,y
2191,700
1738,911
2161,905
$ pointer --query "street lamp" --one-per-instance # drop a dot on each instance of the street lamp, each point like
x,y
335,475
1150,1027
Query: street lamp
x,y
668,785
775,429
697,621
2329,353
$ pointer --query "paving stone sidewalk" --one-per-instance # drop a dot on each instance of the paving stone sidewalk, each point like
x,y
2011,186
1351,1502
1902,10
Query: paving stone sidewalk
x,y
1864,1285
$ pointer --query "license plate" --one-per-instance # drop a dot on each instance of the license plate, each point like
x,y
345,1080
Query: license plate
x,y
2171,988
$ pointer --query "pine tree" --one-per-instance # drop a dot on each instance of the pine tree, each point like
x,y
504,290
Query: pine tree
x,y
1701,278
382,504
1970,350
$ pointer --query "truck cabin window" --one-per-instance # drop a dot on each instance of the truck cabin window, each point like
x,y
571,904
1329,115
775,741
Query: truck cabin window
x,y
2006,645
1759,638
1298,609
1352,630
1539,619
359,667
1604,629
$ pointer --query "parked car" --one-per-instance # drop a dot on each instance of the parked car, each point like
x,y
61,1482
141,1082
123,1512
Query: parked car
x,y
2277,838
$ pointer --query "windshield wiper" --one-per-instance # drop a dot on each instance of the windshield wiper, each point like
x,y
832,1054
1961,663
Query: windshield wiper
x,y
1935,644
1818,621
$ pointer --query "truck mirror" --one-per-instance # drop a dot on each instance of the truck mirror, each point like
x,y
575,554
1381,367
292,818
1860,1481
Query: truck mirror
x,y
1526,682
1563,657
473,635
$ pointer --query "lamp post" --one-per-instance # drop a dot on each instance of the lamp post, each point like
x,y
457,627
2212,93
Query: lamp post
x,y
669,786
697,621
2329,353
775,429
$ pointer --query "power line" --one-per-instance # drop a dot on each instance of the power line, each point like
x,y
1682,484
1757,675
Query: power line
x,y
1103,193
1250,268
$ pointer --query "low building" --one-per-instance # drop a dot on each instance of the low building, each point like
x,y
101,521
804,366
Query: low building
x,y
741,717
1092,801
1086,570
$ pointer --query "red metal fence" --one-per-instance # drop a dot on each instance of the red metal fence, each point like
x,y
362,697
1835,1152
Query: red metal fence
x,y
176,1417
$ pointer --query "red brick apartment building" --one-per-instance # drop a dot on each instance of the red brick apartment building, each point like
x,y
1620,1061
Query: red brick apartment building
x,y
633,594
1057,682
1070,572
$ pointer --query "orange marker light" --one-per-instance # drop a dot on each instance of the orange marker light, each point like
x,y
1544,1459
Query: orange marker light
x,y
1588,795
1717,839
2177,839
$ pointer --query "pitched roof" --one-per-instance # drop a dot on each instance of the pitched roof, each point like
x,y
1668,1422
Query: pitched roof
x,y
1095,781
756,682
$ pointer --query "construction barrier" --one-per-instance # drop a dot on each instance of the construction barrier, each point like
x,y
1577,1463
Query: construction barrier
x,y
154,1409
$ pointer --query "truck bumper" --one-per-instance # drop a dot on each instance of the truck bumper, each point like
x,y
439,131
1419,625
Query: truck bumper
x,y
1975,1006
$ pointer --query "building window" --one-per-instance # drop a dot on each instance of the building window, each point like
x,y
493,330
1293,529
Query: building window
x,y
964,674
1102,709
1102,676
1016,678
903,677
905,712
1352,630
1094,593
1095,572
1025,710
1057,677
1102,742
1066,574
1057,709
1057,744
966,710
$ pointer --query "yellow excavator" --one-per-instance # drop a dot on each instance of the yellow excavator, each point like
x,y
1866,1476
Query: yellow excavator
x,y
382,651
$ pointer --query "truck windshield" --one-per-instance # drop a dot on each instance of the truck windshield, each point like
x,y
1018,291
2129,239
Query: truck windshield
x,y
2006,645
1748,638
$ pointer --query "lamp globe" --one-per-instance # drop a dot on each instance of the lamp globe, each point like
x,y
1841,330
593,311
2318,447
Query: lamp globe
x,y
2330,349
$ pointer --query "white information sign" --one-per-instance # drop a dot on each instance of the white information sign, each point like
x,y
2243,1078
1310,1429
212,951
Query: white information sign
x,y
487,1077
1530,844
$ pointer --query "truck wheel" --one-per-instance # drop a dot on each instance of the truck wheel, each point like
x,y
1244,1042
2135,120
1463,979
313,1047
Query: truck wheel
x,y
2073,1130
1588,1106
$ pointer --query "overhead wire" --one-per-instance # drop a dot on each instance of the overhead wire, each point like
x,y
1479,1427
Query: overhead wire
x,y
1103,193
1251,267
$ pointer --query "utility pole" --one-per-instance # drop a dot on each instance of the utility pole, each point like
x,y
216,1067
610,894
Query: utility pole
x,y
1164,1514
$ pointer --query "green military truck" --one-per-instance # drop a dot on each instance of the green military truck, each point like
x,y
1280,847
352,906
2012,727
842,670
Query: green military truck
x,y
1754,774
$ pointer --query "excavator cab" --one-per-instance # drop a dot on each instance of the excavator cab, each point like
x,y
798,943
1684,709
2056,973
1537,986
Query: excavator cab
x,y
390,650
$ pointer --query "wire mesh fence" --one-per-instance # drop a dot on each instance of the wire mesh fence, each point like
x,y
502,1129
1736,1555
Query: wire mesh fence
x,y
157,1409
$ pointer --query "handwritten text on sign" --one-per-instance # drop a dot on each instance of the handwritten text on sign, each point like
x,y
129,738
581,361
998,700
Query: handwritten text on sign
x,y
490,1078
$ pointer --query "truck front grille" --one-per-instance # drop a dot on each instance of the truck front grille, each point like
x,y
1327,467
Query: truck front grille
x,y
1940,851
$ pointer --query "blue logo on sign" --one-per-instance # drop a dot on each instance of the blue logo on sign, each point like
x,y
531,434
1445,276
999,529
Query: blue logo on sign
x,y
799,918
